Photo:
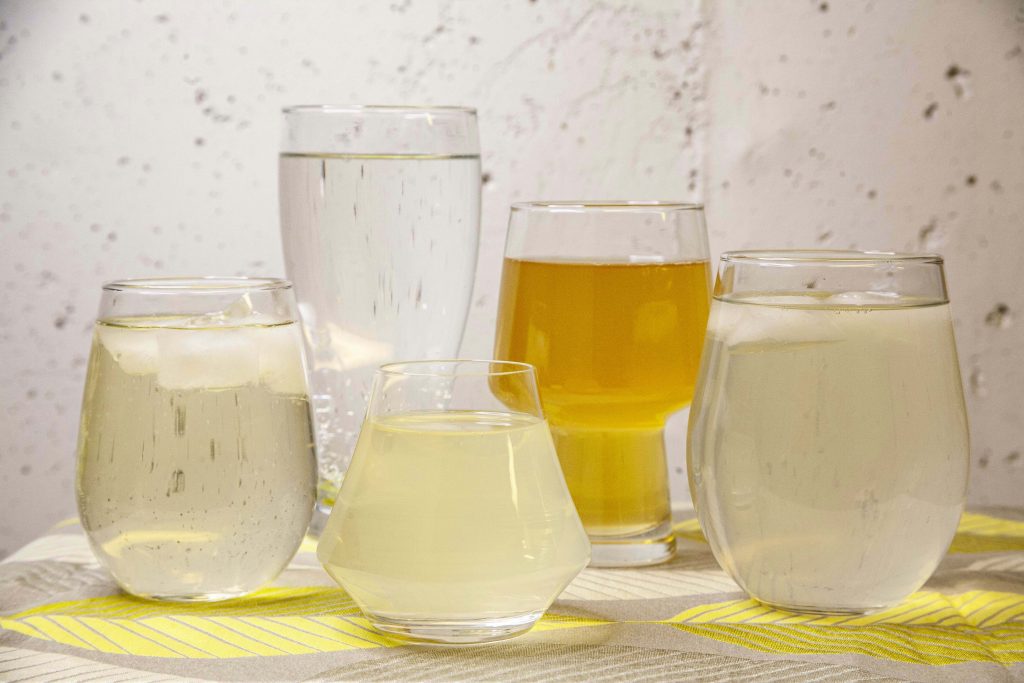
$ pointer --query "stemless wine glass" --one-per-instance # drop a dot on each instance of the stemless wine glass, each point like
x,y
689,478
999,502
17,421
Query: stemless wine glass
x,y
828,439
609,300
454,524
196,473
380,216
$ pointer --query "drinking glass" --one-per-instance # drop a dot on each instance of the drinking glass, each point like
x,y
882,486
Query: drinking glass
x,y
828,445
196,472
454,524
380,217
609,301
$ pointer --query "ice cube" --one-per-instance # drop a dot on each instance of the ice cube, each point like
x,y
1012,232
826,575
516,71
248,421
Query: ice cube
x,y
239,311
280,359
207,358
135,350
355,351
771,327
862,299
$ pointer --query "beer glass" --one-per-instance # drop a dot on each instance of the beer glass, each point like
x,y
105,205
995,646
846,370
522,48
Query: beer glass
x,y
454,524
828,439
196,472
380,216
609,300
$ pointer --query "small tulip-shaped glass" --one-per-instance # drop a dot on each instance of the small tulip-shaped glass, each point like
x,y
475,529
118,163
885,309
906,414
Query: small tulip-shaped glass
x,y
454,524
196,471
828,449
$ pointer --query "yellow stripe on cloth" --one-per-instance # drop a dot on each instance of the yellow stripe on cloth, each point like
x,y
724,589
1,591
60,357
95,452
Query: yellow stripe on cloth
x,y
984,534
927,628
270,622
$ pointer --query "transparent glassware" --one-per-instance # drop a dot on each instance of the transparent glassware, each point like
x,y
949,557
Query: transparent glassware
x,y
196,472
828,444
380,219
609,301
454,524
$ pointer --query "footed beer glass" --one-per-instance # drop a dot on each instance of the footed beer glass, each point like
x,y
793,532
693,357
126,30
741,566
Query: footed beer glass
x,y
453,524
196,473
380,215
609,301
828,446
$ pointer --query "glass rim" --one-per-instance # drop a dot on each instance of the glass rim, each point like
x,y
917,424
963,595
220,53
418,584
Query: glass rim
x,y
376,109
401,368
825,256
202,284
596,205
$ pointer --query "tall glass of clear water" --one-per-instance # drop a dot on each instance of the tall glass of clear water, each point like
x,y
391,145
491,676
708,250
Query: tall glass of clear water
x,y
380,217
454,523
196,473
828,438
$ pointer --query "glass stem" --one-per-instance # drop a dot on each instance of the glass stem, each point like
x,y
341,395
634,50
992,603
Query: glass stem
x,y
618,478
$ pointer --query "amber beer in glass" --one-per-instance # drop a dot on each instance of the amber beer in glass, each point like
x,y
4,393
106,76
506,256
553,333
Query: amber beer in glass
x,y
609,301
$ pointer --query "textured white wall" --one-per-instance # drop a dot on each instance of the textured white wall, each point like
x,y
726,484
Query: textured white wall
x,y
887,125
140,138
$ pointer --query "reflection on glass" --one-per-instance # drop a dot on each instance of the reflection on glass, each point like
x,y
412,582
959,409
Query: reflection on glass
x,y
453,523
196,472
380,215
828,439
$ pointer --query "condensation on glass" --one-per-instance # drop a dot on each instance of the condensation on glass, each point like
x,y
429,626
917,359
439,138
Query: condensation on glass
x,y
828,448
380,216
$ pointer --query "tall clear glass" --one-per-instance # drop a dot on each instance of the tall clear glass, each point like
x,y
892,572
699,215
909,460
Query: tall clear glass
x,y
454,524
828,439
380,217
196,472
609,300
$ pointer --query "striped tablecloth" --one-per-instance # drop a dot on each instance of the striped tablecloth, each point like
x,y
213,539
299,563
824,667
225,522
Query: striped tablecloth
x,y
62,619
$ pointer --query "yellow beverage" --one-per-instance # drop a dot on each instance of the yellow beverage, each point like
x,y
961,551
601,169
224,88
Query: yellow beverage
x,y
457,515
196,472
617,348
829,446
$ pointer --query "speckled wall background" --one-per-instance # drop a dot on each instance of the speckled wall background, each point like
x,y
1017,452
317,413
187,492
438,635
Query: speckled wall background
x,y
139,137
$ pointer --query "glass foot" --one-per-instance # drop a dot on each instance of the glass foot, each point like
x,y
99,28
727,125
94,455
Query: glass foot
x,y
652,547
824,611
189,597
455,631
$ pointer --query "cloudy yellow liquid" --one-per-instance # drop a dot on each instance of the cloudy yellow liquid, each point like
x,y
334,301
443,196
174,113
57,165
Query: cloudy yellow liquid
x,y
829,446
196,472
453,515
617,348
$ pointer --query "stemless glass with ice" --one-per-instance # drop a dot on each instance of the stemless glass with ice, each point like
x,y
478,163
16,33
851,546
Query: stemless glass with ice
x,y
828,437
196,472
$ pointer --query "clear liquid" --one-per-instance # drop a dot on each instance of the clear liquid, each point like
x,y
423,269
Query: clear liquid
x,y
454,515
829,447
196,472
382,251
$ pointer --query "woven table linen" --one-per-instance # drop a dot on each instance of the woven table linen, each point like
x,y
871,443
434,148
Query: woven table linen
x,y
63,619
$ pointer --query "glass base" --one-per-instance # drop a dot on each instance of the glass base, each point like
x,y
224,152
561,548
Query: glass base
x,y
190,597
652,547
824,611
455,631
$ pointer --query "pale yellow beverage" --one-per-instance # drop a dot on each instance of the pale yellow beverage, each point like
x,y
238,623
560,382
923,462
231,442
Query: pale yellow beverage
x,y
829,446
196,471
457,516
